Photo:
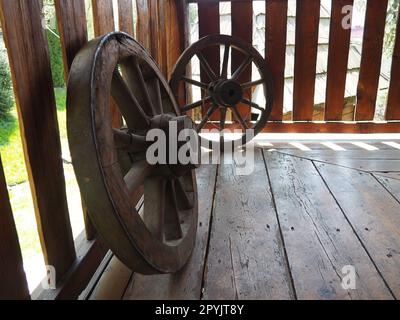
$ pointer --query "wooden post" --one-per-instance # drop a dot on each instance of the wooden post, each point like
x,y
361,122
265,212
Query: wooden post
x,y
12,276
125,16
33,88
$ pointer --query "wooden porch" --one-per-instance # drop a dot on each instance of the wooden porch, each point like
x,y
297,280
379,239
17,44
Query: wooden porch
x,y
287,230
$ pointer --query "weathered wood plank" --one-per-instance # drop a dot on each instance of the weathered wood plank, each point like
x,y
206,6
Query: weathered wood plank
x,y
125,16
391,175
246,256
390,182
143,23
33,88
242,27
307,24
275,43
373,214
319,240
374,31
393,106
338,56
12,275
71,19
186,284
209,23
113,282
103,22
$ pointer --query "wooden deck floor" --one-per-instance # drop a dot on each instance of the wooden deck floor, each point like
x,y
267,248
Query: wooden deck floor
x,y
287,230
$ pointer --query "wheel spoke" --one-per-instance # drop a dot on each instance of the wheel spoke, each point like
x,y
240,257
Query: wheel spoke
x,y
144,87
128,104
137,175
252,104
240,119
223,118
241,68
249,85
155,206
206,117
129,142
155,90
173,230
195,83
206,67
224,71
196,104
184,202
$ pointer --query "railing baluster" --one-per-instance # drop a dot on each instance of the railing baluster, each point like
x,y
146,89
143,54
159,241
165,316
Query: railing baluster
x,y
338,56
12,276
374,31
393,107
275,43
307,23
33,87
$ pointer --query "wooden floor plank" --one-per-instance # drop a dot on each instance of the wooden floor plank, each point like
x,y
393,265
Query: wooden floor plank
x,y
246,256
391,175
392,185
319,240
113,282
187,283
374,215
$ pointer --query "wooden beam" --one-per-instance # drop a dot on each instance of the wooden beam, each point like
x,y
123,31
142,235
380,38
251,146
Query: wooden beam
x,y
374,32
275,47
307,24
338,57
90,255
242,27
12,275
33,90
325,127
125,16
393,107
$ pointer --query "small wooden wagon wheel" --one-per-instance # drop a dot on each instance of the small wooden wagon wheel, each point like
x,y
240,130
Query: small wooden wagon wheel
x,y
110,163
222,92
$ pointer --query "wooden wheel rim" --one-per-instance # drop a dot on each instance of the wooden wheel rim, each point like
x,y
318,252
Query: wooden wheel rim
x,y
180,71
97,166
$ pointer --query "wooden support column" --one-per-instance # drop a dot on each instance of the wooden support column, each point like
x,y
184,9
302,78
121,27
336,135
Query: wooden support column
x,y
125,16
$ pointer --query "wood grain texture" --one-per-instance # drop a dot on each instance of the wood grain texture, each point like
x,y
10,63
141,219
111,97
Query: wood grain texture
x,y
209,23
374,31
307,24
393,106
72,27
125,16
373,214
186,284
338,56
143,23
246,256
33,90
103,23
71,19
318,239
242,27
12,275
275,43
391,182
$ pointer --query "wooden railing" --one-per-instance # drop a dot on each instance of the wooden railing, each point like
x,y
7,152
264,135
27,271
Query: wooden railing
x,y
306,44
162,27
76,261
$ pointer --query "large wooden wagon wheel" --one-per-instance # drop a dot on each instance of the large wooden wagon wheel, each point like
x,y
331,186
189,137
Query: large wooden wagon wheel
x,y
110,163
222,91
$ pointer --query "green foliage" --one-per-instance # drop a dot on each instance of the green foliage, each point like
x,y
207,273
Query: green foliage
x,y
57,68
391,24
6,97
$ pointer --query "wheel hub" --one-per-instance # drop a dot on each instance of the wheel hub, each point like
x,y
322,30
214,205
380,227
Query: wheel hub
x,y
226,92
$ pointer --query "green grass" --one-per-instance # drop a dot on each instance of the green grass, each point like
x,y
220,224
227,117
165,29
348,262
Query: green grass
x,y
11,144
